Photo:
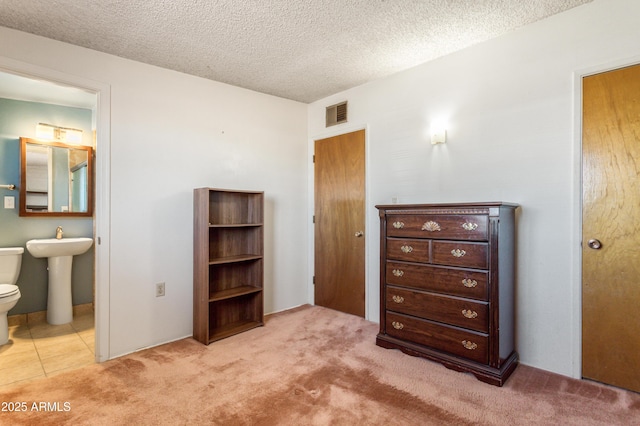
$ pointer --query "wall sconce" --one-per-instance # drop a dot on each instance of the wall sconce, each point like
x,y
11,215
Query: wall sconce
x,y
438,134
61,134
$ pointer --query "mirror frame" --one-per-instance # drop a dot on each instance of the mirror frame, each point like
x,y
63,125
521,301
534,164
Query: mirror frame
x,y
23,178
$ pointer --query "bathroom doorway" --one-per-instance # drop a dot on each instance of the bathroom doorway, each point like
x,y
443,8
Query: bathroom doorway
x,y
59,89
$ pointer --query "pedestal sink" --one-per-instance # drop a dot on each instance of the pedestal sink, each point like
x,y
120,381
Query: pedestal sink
x,y
60,254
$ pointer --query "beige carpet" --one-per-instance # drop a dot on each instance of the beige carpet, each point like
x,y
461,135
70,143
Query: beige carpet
x,y
307,366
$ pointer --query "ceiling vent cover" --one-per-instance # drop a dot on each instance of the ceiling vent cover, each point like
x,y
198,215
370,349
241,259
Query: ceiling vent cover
x,y
337,114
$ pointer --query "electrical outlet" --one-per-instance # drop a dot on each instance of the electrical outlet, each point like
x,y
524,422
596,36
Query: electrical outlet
x,y
159,289
9,202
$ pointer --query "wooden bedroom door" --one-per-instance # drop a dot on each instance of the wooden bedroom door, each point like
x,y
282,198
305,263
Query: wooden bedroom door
x,y
611,228
339,197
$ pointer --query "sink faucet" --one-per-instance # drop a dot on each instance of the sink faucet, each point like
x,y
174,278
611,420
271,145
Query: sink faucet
x,y
59,233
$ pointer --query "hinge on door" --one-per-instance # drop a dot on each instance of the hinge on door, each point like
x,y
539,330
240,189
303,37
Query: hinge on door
x,y
314,280
314,218
314,158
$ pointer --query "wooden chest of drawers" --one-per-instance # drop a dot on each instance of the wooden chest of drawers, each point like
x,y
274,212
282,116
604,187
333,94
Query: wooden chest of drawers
x,y
447,285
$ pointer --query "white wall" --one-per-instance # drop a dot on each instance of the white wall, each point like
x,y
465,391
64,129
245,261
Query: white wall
x,y
170,133
509,104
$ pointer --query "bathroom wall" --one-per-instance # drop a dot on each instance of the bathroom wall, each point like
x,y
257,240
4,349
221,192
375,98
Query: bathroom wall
x,y
19,118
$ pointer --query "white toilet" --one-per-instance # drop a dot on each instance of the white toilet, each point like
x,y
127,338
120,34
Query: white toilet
x,y
10,261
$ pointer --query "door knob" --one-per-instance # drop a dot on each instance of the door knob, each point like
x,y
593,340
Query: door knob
x,y
359,234
594,244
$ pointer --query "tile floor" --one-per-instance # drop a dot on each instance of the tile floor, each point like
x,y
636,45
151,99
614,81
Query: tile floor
x,y
37,349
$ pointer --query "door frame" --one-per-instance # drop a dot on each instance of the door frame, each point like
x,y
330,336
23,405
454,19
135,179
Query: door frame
x,y
329,133
578,75
102,230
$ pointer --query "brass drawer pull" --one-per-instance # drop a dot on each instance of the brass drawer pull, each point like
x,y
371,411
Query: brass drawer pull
x,y
398,225
398,272
470,226
397,325
431,226
458,253
469,283
397,299
406,249
468,313
469,345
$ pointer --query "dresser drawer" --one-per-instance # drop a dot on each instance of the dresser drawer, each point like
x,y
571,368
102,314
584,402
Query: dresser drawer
x,y
469,255
448,227
450,310
409,250
457,282
467,344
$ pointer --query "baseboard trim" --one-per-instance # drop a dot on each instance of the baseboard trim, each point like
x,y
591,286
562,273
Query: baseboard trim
x,y
40,316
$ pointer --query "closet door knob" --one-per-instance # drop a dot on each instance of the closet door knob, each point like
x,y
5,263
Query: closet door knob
x,y
594,244
359,234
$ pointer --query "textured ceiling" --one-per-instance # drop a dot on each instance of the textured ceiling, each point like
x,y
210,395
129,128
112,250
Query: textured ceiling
x,y
295,49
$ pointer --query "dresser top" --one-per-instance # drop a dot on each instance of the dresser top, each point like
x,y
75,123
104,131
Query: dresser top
x,y
446,206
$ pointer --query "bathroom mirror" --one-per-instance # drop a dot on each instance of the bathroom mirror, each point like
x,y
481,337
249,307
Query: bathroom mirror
x,y
56,179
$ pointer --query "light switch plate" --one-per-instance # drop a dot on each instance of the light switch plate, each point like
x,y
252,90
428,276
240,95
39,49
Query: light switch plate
x,y
9,202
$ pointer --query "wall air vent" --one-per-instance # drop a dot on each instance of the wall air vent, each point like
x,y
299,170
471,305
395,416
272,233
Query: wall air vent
x,y
337,114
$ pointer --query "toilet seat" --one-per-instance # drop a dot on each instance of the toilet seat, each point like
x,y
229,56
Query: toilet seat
x,y
8,290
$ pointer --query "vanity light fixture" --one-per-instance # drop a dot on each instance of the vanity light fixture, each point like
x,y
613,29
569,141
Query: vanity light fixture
x,y
45,131
60,134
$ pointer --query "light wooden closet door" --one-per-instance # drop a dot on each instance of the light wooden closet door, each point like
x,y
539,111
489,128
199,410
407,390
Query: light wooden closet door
x,y
611,228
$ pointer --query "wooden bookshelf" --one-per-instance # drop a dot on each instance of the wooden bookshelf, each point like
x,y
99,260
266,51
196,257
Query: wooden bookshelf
x,y
228,262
